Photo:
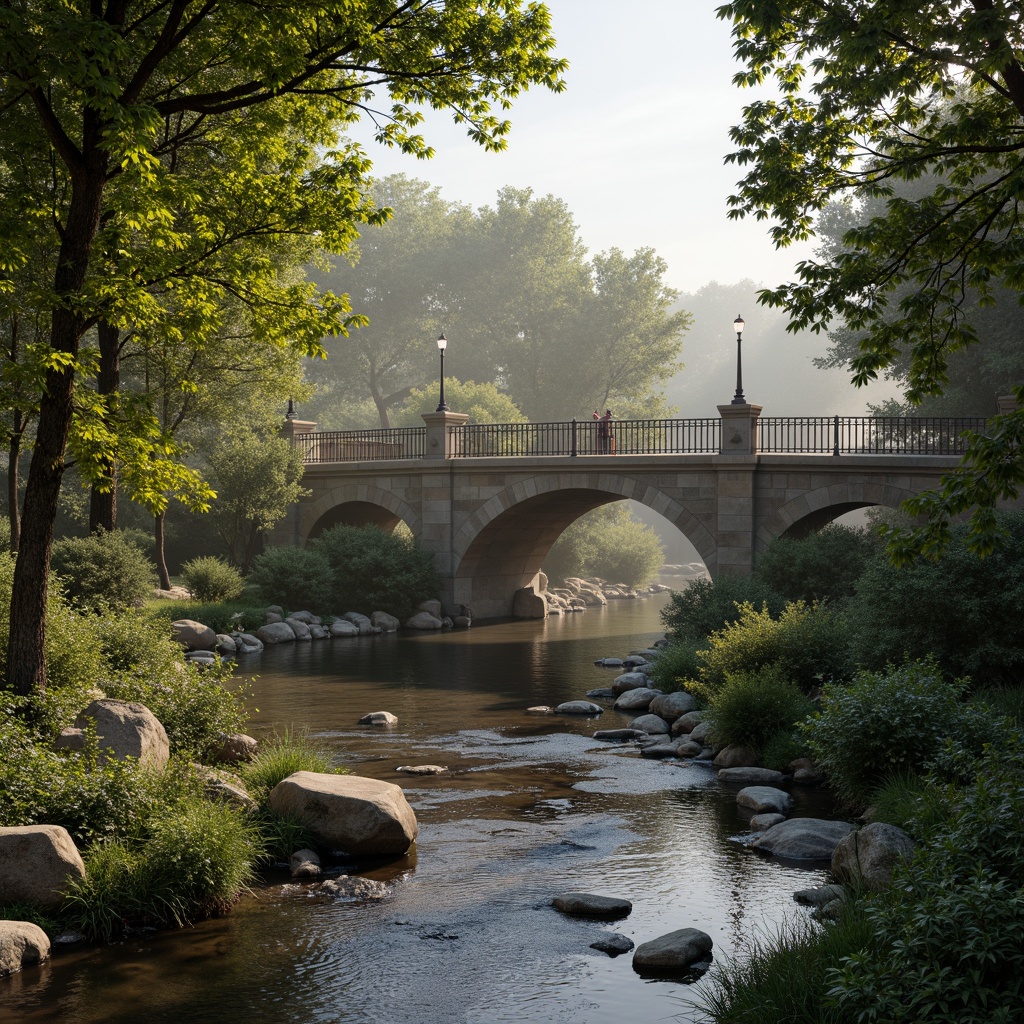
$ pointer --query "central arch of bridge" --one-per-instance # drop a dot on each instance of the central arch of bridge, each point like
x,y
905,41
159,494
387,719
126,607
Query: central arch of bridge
x,y
502,548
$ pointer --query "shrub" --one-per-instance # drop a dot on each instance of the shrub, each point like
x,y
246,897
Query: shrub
x,y
103,570
883,723
949,944
824,566
222,617
750,708
962,610
807,642
374,570
212,579
293,577
783,749
705,606
677,666
280,757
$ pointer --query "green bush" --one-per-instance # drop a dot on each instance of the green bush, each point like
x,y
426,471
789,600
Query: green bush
x,y
750,708
949,935
782,749
807,642
293,577
824,566
705,606
212,579
103,570
374,570
281,756
962,610
881,723
677,666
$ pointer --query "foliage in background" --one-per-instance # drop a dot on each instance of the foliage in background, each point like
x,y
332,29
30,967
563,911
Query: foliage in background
x,y
961,610
751,708
293,577
212,579
884,722
482,403
103,570
608,543
376,571
704,606
824,566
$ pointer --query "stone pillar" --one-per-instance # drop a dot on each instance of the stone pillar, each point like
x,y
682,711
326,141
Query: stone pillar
x,y
293,429
440,433
1006,404
739,429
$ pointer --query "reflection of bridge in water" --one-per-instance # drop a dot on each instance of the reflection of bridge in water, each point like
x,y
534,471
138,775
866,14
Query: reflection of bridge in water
x,y
490,499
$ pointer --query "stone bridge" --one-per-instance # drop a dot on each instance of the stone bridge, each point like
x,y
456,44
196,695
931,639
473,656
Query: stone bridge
x,y
490,501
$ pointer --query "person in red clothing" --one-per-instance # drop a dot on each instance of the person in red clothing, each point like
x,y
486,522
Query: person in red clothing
x,y
605,437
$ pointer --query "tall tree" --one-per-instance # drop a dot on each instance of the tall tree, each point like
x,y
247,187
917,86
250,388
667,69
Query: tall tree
x,y
872,93
111,91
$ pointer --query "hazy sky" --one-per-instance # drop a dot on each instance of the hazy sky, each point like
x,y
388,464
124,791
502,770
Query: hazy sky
x,y
635,145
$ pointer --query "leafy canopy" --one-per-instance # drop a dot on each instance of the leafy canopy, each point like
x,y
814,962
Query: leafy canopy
x,y
872,94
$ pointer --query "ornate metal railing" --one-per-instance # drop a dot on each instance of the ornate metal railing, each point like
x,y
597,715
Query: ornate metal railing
x,y
362,445
588,437
865,435
795,435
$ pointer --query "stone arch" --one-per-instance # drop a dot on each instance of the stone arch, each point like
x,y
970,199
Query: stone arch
x,y
501,546
356,504
815,509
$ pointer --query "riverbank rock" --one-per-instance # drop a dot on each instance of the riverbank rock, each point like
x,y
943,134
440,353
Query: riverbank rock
x,y
601,693
734,756
672,706
653,725
803,838
423,620
298,627
656,751
193,636
379,718
528,604
820,895
628,681
751,777
37,863
361,622
21,944
275,633
226,645
342,627
636,699
422,769
386,622
765,800
686,747
246,643
613,944
673,953
126,728
763,822
685,724
868,857
579,707
586,904
234,747
348,812
619,735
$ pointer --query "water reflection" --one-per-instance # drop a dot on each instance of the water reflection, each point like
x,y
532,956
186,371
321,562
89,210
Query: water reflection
x,y
530,807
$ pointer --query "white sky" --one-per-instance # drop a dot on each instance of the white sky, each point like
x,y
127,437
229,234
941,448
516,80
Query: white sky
x,y
635,145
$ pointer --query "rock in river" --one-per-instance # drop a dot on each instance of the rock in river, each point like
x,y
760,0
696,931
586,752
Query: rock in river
x,y
586,904
673,953
579,707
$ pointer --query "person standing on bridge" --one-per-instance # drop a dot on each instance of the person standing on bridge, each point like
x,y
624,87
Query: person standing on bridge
x,y
605,437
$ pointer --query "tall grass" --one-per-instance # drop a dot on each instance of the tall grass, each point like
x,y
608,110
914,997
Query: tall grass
x,y
781,977
283,755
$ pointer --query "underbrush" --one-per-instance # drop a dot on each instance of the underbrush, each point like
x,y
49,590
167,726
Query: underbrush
x,y
220,616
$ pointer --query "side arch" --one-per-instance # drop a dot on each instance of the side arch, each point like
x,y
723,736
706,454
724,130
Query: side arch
x,y
356,505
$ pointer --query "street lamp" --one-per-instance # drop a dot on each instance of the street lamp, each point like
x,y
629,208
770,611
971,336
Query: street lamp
x,y
737,326
442,344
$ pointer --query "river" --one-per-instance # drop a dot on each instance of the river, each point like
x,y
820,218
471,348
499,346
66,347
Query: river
x,y
530,807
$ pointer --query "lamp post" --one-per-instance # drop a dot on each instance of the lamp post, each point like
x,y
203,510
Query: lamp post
x,y
737,326
442,344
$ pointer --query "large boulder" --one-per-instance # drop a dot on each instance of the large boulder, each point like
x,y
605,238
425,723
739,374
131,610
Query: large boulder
x,y
423,620
867,858
733,756
126,728
579,707
673,953
387,623
299,628
653,725
342,627
673,705
629,681
37,863
361,622
360,816
193,636
637,699
587,904
275,633
21,944
232,747
803,838
752,776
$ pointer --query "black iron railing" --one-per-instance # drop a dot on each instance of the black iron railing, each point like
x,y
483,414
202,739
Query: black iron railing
x,y
362,445
623,437
866,435
796,435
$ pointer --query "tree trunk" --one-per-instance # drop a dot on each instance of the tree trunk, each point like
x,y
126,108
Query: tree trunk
x,y
158,551
26,653
103,503
13,478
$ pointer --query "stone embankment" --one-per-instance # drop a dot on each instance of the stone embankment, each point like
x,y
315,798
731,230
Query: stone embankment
x,y
539,600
